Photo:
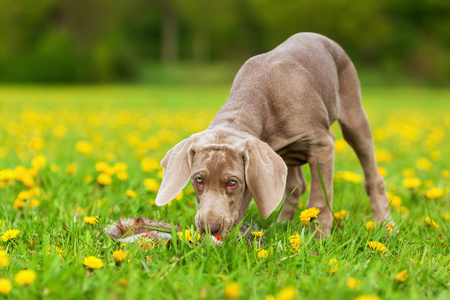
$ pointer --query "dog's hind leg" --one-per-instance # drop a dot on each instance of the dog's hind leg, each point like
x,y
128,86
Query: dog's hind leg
x,y
356,130
295,187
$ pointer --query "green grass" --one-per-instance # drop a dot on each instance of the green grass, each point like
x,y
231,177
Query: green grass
x,y
128,123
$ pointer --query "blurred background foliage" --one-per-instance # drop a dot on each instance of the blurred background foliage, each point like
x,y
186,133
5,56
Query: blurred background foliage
x,y
205,41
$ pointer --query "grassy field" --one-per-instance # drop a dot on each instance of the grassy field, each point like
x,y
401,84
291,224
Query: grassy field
x,y
67,153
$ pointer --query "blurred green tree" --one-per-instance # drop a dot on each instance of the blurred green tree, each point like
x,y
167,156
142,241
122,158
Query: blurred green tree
x,y
103,41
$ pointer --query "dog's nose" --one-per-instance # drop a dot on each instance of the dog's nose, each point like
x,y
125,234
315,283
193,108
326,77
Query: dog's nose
x,y
212,227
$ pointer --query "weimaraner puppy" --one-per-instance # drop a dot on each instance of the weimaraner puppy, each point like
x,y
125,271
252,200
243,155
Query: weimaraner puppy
x,y
277,118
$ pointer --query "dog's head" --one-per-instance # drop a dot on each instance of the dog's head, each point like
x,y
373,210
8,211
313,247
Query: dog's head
x,y
225,171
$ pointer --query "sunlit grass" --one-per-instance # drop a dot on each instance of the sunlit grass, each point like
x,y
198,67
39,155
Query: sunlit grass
x,y
90,155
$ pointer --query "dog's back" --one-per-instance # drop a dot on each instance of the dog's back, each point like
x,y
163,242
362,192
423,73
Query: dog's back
x,y
296,87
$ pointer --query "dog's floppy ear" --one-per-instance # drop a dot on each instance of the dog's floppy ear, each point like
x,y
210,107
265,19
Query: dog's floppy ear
x,y
176,171
265,175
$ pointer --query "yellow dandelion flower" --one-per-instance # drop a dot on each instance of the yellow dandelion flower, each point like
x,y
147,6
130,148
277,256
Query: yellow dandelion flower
x,y
353,283
408,172
88,179
34,203
119,256
446,216
18,204
187,236
38,162
424,164
58,250
232,290
19,172
402,276
151,185
308,214
93,262
37,143
123,282
84,147
5,286
101,166
340,146
122,176
445,174
110,170
411,182
257,233
131,194
428,183
383,156
91,220
334,266
262,253
149,165
223,277
71,169
31,173
435,155
110,157
295,242
431,222
390,227
120,167
59,132
367,297
4,259
377,246
36,191
403,209
7,175
28,181
25,277
347,176
179,196
25,195
287,293
104,179
394,200
10,235
340,215
434,193
382,171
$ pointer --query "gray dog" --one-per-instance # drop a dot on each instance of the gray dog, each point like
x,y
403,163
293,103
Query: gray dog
x,y
277,118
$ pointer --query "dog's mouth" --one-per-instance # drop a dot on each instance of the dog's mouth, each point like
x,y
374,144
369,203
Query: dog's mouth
x,y
210,230
221,228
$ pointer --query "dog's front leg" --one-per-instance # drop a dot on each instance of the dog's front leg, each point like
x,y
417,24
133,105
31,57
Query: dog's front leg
x,y
295,187
322,158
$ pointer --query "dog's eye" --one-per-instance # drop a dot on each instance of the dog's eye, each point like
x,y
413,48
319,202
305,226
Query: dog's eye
x,y
231,183
199,180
